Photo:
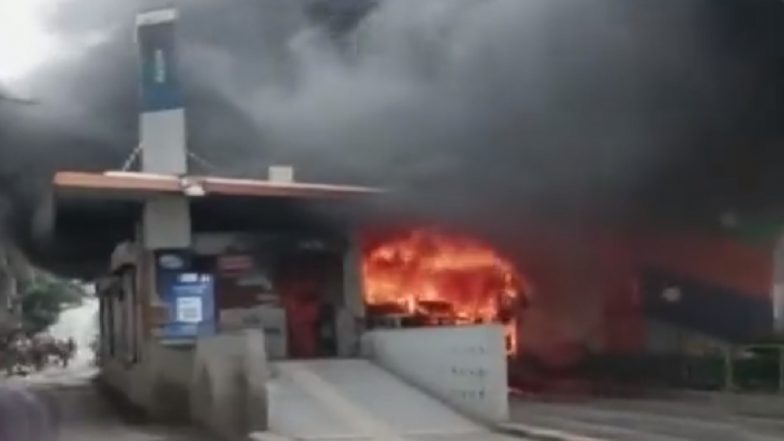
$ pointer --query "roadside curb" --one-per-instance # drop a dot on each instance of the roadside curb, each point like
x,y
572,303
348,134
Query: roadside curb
x,y
541,433
267,436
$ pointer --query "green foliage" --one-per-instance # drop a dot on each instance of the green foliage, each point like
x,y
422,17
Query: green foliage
x,y
45,298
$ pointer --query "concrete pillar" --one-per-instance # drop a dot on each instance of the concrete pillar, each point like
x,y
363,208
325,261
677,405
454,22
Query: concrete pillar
x,y
162,121
777,294
352,311
167,222
352,278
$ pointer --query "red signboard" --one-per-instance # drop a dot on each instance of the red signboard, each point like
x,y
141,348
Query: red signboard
x,y
235,264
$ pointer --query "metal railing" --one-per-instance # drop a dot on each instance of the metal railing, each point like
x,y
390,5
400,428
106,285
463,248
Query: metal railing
x,y
765,357
754,368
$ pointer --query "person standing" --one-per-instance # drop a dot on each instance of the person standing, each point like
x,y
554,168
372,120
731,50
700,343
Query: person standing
x,y
302,315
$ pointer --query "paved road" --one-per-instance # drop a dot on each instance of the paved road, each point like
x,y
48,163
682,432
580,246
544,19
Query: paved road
x,y
86,416
83,414
646,421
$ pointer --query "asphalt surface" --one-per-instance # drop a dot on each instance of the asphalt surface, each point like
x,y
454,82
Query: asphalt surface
x,y
639,420
77,411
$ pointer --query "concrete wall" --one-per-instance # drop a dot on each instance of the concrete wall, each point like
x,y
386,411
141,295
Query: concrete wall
x,y
158,384
228,386
220,384
463,366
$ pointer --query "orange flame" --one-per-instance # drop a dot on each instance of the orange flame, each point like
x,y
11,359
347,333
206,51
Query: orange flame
x,y
443,278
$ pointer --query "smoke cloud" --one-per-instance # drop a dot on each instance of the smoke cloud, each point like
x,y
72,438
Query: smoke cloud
x,y
498,102
506,106
491,109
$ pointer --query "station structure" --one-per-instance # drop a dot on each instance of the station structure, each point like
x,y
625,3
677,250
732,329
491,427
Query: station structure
x,y
228,303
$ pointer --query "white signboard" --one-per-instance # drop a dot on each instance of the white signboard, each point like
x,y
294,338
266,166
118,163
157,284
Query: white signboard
x,y
281,173
465,366
189,310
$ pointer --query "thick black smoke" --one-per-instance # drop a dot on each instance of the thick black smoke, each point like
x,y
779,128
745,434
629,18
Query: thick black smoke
x,y
486,109
565,106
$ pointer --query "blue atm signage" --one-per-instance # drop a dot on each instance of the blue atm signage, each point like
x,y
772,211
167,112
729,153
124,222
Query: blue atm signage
x,y
161,88
189,296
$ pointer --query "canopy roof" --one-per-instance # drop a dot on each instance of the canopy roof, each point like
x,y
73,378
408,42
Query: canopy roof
x,y
95,211
139,186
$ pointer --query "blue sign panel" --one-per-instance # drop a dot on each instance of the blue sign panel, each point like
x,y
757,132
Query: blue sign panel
x,y
161,88
190,297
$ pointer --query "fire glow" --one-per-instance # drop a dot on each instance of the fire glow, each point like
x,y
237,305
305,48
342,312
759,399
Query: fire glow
x,y
436,278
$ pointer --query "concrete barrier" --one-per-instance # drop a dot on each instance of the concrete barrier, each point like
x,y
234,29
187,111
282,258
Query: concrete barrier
x,y
228,393
464,366
159,385
168,379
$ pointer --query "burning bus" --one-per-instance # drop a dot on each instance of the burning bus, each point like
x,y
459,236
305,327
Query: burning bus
x,y
430,277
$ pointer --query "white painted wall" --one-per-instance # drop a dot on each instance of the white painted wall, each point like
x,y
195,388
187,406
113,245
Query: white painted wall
x,y
464,366
167,223
163,142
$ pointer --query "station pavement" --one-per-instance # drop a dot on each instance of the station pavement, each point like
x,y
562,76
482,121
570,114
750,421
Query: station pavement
x,y
80,412
638,420
84,414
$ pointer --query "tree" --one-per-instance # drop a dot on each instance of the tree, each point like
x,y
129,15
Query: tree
x,y
44,298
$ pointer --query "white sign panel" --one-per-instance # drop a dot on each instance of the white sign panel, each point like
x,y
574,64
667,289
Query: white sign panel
x,y
189,310
465,366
